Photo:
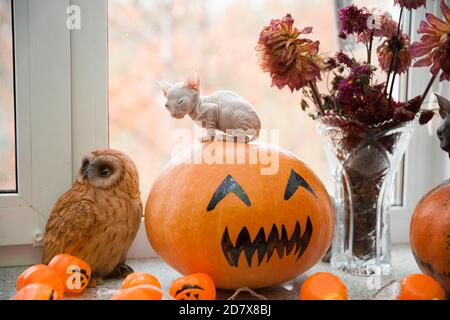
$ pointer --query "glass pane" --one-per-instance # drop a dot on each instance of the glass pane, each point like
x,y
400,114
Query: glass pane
x,y
162,40
7,119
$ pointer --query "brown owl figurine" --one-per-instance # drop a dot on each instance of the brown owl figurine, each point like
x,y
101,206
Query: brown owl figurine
x,y
98,218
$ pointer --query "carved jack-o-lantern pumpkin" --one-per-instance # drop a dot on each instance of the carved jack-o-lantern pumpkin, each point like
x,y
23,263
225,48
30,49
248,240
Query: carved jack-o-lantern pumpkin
x,y
197,286
37,291
246,222
74,272
40,273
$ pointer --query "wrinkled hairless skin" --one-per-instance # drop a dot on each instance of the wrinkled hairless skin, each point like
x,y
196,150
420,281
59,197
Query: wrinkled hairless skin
x,y
443,132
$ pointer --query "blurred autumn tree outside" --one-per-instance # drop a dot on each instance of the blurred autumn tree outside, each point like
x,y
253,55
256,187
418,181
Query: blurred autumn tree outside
x,y
7,128
162,40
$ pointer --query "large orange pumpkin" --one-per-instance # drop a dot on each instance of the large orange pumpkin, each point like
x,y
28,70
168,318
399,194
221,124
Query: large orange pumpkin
x,y
430,234
224,210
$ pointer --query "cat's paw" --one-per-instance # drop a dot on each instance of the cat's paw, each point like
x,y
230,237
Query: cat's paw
x,y
223,138
207,138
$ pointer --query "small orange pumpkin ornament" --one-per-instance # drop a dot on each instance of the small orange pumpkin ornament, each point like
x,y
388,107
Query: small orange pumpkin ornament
x,y
140,278
135,293
248,215
40,273
420,287
74,272
430,234
37,291
198,286
323,286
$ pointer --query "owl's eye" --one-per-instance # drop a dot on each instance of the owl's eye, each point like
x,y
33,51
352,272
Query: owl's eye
x,y
104,171
180,101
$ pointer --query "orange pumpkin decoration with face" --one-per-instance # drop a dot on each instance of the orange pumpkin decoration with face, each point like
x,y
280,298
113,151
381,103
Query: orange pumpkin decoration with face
x,y
197,286
248,215
74,272
430,234
135,293
40,273
141,279
37,291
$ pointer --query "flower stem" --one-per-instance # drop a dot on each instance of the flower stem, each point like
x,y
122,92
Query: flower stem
x,y
316,96
369,58
399,22
394,53
430,84
392,89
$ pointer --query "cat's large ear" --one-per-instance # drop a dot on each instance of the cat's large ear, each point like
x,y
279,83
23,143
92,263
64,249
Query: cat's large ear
x,y
444,106
193,81
165,87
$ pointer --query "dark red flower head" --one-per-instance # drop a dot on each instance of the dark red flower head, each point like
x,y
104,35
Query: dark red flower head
x,y
290,59
353,20
411,4
434,46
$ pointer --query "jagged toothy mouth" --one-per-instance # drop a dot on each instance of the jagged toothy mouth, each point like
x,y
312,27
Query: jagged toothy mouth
x,y
265,247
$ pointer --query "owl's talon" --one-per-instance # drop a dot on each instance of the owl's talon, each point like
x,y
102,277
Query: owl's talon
x,y
121,271
95,281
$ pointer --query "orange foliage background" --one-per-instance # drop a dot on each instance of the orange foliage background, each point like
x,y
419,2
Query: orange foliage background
x,y
162,40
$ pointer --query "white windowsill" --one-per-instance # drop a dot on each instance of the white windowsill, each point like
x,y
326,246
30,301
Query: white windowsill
x,y
402,264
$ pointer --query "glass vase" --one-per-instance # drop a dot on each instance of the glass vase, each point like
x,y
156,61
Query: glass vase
x,y
364,161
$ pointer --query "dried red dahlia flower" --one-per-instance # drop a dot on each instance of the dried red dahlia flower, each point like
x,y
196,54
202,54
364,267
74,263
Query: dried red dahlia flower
x,y
398,47
434,46
290,59
353,20
411,4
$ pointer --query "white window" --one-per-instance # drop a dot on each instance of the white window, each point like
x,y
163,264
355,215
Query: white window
x,y
92,83
60,113
42,120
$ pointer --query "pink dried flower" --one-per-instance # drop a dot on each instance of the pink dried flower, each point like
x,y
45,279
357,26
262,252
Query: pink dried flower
x,y
411,4
414,104
356,85
344,59
290,59
353,20
434,46
380,24
426,116
398,47
403,115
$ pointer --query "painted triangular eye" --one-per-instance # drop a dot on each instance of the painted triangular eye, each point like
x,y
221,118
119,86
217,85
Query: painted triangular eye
x,y
295,181
228,185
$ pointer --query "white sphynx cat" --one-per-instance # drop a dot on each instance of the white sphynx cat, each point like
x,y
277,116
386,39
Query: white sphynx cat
x,y
225,111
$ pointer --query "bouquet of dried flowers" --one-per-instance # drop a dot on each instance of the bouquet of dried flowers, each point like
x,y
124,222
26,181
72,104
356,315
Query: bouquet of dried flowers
x,y
293,60
363,120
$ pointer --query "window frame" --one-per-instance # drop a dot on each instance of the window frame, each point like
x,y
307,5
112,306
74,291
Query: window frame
x,y
65,74
24,213
61,113
425,164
